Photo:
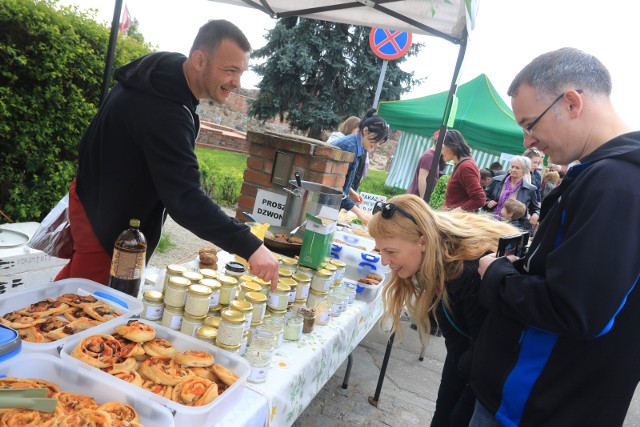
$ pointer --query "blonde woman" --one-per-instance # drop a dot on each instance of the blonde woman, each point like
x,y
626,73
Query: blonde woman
x,y
433,257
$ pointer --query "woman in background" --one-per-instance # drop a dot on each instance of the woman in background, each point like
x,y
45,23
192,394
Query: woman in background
x,y
463,189
348,127
433,257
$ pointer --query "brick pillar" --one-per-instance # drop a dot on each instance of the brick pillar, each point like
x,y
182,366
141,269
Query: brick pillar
x,y
316,161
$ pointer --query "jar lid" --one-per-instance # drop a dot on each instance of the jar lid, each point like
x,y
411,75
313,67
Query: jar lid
x,y
233,316
323,273
278,257
318,293
255,324
176,268
194,276
173,308
338,263
212,321
200,290
235,267
179,281
192,317
276,312
289,261
151,295
208,273
245,334
255,297
261,282
331,267
250,287
303,268
283,287
301,278
212,284
241,305
227,280
228,347
206,332
246,278
289,281
283,272
217,307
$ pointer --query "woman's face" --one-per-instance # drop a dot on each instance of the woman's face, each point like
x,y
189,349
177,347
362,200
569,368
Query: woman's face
x,y
368,140
516,171
447,153
402,256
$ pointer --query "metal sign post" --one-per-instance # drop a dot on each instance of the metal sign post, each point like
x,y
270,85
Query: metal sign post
x,y
388,45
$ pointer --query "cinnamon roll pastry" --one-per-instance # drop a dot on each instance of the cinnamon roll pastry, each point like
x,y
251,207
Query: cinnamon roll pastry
x,y
191,359
50,324
125,364
206,373
30,418
101,312
13,382
164,370
31,334
75,313
225,375
71,402
51,387
71,328
99,351
131,377
46,307
87,418
195,391
159,347
128,348
16,320
136,331
122,415
76,300
159,389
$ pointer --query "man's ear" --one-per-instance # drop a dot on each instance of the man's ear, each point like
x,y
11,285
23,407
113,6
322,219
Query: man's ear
x,y
575,102
199,59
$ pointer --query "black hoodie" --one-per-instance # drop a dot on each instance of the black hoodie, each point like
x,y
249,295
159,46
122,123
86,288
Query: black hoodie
x,y
137,159
560,345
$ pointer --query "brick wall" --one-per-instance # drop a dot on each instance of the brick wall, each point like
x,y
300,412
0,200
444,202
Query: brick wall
x,y
222,137
316,161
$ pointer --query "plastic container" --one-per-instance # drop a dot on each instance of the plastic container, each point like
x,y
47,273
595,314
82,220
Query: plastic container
x,y
10,343
104,388
364,292
184,415
124,304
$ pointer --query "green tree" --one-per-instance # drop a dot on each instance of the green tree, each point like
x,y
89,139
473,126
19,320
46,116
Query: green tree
x,y
317,73
50,79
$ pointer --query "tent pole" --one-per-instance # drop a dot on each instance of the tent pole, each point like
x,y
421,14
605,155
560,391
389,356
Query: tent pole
x,y
432,178
111,49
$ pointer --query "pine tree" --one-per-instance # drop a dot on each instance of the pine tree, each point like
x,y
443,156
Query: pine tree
x,y
318,73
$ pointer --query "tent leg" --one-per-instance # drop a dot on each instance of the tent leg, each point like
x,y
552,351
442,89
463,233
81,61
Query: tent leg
x,y
432,178
111,49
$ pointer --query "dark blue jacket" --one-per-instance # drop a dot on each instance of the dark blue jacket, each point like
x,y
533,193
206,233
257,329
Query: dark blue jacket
x,y
560,345
352,144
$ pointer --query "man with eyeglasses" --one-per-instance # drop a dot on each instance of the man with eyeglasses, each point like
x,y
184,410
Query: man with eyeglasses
x,y
561,343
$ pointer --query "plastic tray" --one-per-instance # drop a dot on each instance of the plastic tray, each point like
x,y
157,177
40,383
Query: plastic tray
x,y
73,379
116,299
184,415
364,292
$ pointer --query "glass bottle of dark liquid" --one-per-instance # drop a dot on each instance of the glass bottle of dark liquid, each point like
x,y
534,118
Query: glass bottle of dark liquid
x,y
128,261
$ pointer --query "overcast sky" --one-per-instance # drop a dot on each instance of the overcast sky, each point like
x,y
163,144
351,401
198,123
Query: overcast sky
x,y
507,36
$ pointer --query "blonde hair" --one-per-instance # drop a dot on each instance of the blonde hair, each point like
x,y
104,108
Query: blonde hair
x,y
551,176
515,208
451,238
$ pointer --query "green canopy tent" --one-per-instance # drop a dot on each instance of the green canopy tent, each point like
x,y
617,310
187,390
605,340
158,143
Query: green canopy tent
x,y
484,119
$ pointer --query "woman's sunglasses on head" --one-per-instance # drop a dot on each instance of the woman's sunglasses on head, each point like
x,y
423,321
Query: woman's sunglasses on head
x,y
388,209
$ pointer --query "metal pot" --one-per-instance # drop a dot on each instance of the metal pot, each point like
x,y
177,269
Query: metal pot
x,y
313,198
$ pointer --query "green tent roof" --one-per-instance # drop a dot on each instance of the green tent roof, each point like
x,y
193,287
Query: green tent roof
x,y
484,119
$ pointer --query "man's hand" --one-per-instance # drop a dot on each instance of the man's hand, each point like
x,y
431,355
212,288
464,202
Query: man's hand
x,y
487,260
363,215
491,204
534,219
264,265
355,197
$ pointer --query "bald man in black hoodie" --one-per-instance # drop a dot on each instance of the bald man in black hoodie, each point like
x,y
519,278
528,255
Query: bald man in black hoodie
x,y
137,159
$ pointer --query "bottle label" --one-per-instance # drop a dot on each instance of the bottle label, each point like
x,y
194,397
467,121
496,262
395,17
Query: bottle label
x,y
127,264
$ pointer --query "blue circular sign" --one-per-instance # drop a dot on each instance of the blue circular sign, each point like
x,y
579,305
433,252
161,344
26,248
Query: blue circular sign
x,y
389,44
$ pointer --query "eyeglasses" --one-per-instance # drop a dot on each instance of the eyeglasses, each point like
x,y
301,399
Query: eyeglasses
x,y
388,209
529,129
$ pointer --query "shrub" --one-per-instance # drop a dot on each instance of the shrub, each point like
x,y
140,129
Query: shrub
x,y
437,196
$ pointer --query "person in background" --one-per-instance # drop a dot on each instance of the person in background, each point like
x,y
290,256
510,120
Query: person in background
x,y
463,189
536,157
433,257
419,183
137,160
348,127
497,169
512,211
372,131
561,343
514,186
550,180
485,178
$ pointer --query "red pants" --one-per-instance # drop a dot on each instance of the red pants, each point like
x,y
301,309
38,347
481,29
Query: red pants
x,y
89,259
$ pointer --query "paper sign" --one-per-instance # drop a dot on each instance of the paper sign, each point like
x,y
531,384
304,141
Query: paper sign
x,y
269,207
370,200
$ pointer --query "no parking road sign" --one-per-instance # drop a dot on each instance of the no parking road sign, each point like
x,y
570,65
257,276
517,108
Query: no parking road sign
x,y
389,44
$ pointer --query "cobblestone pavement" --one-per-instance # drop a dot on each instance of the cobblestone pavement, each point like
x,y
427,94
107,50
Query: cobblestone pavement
x,y
409,390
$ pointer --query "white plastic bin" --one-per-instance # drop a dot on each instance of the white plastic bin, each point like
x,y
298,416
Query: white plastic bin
x,y
124,304
75,380
184,415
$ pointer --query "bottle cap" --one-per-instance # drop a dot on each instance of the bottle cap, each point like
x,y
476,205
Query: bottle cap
x,y
133,222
